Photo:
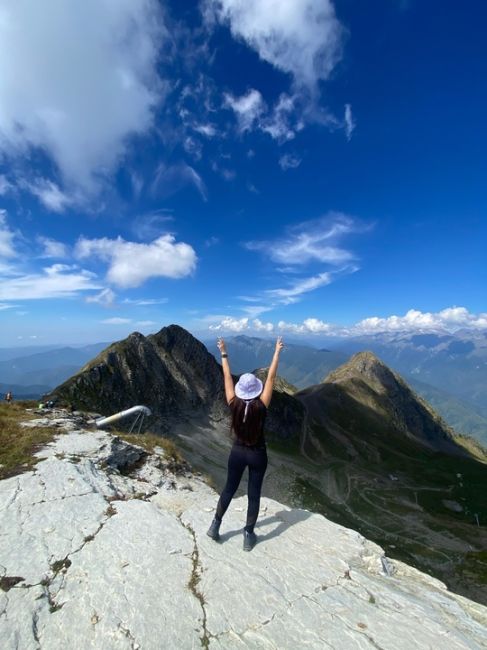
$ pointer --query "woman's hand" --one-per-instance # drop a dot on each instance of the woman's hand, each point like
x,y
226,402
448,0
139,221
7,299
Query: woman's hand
x,y
221,345
279,345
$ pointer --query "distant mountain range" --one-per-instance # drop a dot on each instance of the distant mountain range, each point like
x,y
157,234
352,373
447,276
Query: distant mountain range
x,y
301,365
455,363
360,446
449,371
304,365
38,371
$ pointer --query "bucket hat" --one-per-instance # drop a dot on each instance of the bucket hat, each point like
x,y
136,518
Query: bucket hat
x,y
248,386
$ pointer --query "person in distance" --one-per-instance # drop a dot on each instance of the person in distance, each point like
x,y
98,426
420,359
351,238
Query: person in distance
x,y
248,401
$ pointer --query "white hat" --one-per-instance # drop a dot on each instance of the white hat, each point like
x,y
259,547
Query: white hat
x,y
248,386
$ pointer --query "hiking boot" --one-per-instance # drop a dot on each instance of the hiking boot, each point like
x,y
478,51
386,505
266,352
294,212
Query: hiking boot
x,y
214,530
249,540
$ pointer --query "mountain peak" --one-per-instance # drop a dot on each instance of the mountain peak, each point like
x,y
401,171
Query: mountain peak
x,y
366,366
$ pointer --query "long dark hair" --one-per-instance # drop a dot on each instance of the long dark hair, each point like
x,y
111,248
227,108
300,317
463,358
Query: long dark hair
x,y
250,431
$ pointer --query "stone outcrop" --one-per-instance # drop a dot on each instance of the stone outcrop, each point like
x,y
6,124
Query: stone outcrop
x,y
104,546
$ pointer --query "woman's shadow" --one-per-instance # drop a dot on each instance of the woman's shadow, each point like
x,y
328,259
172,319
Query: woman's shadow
x,y
284,520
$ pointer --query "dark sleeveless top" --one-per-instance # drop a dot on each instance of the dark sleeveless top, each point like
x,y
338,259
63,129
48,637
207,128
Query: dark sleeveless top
x,y
260,441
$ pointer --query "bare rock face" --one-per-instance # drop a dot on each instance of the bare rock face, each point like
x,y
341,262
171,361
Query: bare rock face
x,y
93,558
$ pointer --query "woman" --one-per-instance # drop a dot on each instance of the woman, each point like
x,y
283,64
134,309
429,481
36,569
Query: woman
x,y
248,401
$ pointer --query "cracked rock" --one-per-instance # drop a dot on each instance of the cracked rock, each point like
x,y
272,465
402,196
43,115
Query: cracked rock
x,y
94,557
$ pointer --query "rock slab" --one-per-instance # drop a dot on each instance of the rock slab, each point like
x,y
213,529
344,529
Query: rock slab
x,y
91,558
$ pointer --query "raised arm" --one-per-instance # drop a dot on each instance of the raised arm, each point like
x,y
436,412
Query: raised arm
x,y
227,375
269,384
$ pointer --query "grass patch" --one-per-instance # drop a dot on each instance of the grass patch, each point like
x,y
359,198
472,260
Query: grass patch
x,y
18,444
149,441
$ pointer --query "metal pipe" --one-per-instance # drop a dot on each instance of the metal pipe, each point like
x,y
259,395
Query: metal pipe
x,y
140,410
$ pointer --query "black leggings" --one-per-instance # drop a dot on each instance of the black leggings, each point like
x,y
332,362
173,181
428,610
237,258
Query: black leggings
x,y
240,458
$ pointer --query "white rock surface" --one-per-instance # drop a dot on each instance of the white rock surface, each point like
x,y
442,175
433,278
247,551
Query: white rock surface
x,y
110,561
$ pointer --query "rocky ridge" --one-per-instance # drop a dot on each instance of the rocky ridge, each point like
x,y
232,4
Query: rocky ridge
x,y
104,546
171,371
378,388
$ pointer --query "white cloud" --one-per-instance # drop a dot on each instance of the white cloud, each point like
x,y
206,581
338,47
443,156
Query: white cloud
x,y
311,241
290,294
262,327
283,121
131,264
4,306
57,281
169,180
84,80
116,321
208,130
6,237
248,108
48,193
308,326
145,323
106,298
349,122
449,319
256,310
299,37
5,185
143,302
151,224
52,248
231,324
193,147
289,161
280,122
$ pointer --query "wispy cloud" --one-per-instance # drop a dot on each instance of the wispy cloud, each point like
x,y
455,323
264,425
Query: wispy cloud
x,y
248,108
144,302
106,298
289,294
349,122
56,281
169,180
311,241
289,161
52,248
49,194
208,130
5,185
6,237
151,225
131,263
116,321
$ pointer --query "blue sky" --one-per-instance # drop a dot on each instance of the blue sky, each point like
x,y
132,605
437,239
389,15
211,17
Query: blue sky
x,y
273,166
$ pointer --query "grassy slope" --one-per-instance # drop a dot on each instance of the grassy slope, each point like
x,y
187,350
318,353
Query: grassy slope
x,y
18,444
398,492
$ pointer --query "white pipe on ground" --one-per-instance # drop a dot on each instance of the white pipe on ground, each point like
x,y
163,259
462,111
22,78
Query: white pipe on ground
x,y
101,422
